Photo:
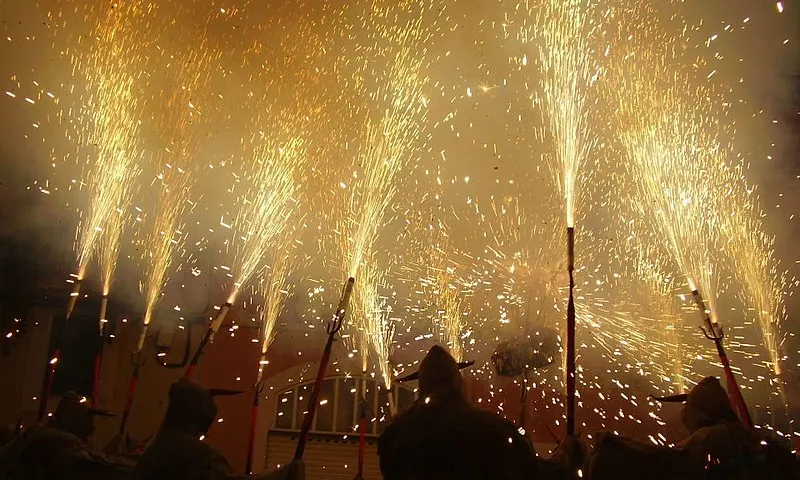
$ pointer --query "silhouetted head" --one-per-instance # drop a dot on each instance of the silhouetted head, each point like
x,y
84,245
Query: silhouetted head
x,y
705,405
191,407
74,415
439,374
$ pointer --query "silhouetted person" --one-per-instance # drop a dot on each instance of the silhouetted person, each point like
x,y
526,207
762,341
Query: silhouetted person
x,y
178,452
60,449
719,440
441,436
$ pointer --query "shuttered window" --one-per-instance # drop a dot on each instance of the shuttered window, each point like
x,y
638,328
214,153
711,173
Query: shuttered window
x,y
338,411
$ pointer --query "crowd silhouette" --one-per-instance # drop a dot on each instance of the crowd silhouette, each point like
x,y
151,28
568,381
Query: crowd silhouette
x,y
440,436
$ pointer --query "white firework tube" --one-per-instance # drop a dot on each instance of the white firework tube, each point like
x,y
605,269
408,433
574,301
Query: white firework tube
x,y
103,309
223,311
73,297
142,336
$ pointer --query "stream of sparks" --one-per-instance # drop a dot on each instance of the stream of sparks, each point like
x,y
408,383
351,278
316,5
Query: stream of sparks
x,y
274,287
165,237
678,172
387,148
563,29
111,71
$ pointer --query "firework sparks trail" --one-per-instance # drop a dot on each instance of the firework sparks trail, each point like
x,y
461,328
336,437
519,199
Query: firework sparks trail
x,y
387,148
678,173
444,292
568,71
166,236
274,289
112,78
263,217
275,155
564,30
177,121
109,253
372,320
682,176
753,254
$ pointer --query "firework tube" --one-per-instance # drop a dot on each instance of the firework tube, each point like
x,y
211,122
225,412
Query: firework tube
x,y
362,438
571,333
73,297
733,388
333,327
207,338
98,356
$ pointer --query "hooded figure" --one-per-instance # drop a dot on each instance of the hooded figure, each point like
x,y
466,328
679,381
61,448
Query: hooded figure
x,y
443,437
60,449
718,439
178,452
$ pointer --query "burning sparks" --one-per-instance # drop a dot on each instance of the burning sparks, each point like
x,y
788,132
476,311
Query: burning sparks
x,y
166,235
378,123
393,121
274,289
568,71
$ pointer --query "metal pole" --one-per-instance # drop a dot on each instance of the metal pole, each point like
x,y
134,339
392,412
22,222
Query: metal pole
x,y
571,333
362,438
98,356
207,338
137,360
251,442
55,353
714,332
333,327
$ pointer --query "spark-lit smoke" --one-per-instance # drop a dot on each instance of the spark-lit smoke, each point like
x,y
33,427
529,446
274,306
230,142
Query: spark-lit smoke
x,y
166,236
444,291
265,210
754,264
112,68
563,30
274,289
393,120
374,326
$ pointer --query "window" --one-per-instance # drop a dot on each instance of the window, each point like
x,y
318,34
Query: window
x,y
339,401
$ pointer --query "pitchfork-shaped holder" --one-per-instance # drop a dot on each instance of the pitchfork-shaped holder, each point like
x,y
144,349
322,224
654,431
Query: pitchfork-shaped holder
x,y
333,328
713,332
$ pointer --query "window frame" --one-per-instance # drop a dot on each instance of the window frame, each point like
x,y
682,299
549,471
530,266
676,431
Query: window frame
x,y
361,383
